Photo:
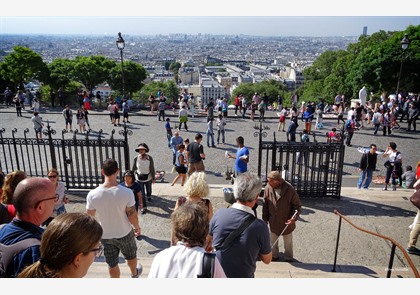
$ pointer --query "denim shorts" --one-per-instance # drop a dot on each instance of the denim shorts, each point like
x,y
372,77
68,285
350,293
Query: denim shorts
x,y
112,247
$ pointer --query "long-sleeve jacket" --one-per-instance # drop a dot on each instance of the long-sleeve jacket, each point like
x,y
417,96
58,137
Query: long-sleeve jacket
x,y
368,161
277,211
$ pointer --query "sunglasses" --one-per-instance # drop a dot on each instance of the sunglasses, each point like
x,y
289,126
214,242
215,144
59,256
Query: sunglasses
x,y
98,251
47,199
52,176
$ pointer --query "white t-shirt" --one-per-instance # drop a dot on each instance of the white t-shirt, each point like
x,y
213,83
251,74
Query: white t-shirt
x,y
393,156
180,261
110,205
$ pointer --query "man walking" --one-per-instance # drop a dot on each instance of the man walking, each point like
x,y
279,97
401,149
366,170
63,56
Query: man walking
x,y
241,157
195,155
174,142
281,209
116,207
34,199
68,118
239,256
367,166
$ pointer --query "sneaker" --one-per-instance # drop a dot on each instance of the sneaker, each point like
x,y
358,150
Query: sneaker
x,y
143,211
366,188
149,199
413,250
384,189
139,270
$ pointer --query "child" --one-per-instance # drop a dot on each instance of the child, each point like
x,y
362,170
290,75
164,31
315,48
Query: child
x,y
168,129
35,105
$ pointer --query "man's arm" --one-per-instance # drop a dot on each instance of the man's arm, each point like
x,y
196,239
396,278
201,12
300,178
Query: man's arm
x,y
133,218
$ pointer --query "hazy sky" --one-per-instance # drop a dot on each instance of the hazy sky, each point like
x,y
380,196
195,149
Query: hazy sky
x,y
262,17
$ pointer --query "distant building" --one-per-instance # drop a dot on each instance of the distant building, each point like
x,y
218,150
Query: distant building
x,y
365,30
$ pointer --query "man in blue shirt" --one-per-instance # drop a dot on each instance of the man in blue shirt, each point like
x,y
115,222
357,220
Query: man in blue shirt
x,y
241,157
175,141
34,199
239,257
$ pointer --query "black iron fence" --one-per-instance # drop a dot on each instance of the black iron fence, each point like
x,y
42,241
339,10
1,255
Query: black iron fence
x,y
314,168
77,159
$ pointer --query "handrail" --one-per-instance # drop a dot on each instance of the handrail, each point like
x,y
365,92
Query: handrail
x,y
394,244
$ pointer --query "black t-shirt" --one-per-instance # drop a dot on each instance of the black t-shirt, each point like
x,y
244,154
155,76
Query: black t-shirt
x,y
194,149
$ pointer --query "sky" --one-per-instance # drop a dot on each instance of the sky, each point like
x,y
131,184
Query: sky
x,y
261,18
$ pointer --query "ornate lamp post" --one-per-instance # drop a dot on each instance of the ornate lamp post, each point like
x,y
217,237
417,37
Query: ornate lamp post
x,y
404,45
120,45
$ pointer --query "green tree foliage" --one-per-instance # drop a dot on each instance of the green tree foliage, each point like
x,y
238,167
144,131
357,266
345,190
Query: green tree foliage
x,y
374,61
92,70
134,74
169,89
60,70
272,88
23,65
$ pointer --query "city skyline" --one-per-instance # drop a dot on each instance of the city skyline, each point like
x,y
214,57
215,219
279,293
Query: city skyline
x,y
311,26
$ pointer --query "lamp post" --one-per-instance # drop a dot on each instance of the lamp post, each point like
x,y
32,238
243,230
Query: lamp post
x,y
120,45
404,45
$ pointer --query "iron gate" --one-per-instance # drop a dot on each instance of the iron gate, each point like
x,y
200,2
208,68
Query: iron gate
x,y
78,159
314,168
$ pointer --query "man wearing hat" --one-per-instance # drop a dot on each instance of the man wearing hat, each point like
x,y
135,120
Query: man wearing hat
x,y
281,209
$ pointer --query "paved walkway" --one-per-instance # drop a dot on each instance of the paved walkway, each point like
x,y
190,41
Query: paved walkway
x,y
388,213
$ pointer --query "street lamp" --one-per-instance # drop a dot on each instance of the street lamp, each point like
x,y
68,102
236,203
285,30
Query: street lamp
x,y
120,45
404,45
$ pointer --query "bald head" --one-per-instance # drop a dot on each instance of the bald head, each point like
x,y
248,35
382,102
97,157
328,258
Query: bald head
x,y
31,191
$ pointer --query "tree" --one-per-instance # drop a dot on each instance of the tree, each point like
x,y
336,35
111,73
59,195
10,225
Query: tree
x,y
23,65
134,74
92,70
169,89
60,72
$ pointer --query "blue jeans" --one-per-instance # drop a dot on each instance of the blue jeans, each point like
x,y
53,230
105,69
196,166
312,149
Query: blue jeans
x,y
368,174
146,191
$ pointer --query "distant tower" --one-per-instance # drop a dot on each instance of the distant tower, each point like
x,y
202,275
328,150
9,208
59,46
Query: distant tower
x,y
364,31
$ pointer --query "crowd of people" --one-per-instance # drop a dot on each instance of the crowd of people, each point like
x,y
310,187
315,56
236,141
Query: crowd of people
x,y
34,207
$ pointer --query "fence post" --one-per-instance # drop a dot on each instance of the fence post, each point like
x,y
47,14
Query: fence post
x,y
391,261
260,135
14,130
125,132
336,245
49,132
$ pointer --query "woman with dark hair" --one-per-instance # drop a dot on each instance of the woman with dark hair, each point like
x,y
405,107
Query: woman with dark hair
x,y
393,165
68,247
129,181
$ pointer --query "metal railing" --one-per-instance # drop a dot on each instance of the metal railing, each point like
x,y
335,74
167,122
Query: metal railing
x,y
392,254
78,159
314,168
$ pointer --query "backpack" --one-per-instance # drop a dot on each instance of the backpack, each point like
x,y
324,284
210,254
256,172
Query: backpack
x,y
8,251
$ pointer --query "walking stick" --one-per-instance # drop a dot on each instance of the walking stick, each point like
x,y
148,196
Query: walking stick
x,y
294,215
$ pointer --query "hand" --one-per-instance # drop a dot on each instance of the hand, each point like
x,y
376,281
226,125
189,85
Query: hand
x,y
137,232
291,221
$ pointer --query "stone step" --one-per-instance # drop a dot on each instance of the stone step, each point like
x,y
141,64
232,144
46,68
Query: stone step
x,y
99,269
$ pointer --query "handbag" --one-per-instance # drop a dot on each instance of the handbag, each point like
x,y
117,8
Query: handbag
x,y
143,176
415,199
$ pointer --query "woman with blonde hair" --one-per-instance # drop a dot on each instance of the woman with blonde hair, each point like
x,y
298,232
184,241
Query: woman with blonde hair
x,y
68,247
197,190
